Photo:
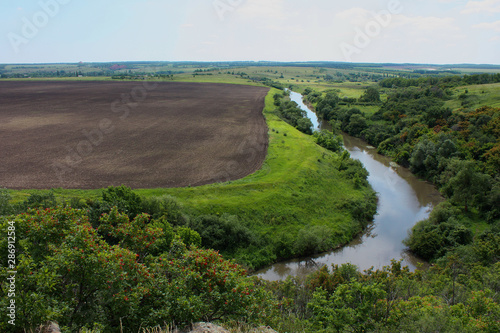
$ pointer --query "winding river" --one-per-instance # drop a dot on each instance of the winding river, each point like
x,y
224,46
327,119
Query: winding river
x,y
403,201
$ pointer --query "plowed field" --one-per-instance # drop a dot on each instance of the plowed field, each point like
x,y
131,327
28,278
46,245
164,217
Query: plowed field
x,y
87,135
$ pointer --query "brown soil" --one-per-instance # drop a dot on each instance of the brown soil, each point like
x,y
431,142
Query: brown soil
x,y
90,135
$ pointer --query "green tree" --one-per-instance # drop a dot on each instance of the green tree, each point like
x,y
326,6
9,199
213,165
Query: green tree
x,y
328,140
468,185
371,95
305,125
357,123
354,307
124,199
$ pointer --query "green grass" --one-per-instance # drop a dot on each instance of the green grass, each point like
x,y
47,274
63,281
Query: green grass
x,y
480,95
215,78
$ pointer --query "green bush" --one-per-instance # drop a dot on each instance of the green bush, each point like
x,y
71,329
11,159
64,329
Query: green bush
x,y
167,207
328,140
124,198
223,233
431,241
312,240
5,206
39,199
70,274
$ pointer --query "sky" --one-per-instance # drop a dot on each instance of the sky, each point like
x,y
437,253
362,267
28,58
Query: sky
x,y
379,31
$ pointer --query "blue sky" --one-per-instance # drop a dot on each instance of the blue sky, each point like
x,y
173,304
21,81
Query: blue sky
x,y
401,31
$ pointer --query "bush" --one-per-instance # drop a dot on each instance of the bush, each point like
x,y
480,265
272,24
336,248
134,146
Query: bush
x,y
328,140
167,207
223,233
5,206
39,200
431,241
71,275
124,199
312,240
189,237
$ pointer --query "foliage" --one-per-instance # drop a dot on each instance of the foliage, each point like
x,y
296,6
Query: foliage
x,y
124,198
5,206
449,297
430,241
328,140
312,240
293,114
125,274
222,233
371,95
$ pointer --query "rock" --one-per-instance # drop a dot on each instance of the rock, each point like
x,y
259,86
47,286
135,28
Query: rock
x,y
212,328
51,328
263,329
207,328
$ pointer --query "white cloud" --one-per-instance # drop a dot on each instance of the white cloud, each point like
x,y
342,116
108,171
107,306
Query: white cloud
x,y
490,6
491,26
267,9
355,16
430,26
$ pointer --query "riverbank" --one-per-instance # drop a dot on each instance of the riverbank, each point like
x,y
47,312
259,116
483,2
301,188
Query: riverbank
x,y
403,201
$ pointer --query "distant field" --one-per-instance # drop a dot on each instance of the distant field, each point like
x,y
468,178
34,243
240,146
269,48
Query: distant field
x,y
87,135
477,95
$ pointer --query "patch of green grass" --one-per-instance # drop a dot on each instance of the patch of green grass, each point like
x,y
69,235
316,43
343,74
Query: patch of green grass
x,y
215,78
479,95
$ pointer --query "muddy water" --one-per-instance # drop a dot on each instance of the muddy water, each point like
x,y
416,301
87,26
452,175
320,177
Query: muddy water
x,y
403,201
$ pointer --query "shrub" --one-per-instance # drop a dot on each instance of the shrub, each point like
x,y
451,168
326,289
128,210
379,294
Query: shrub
x,y
124,199
5,207
39,199
311,240
431,241
222,233
328,140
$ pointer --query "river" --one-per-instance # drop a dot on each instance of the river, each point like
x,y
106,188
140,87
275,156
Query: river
x,y
403,201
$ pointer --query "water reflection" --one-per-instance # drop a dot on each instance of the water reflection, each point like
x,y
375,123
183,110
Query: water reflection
x,y
297,98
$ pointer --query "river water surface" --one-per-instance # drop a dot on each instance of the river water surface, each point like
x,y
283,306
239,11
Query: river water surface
x,y
403,201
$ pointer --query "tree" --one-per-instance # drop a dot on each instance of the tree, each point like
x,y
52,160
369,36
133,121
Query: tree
x,y
124,198
305,125
357,123
328,140
371,95
468,185
353,307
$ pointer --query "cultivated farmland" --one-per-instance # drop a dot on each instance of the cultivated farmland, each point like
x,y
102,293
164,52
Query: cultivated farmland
x,y
142,134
